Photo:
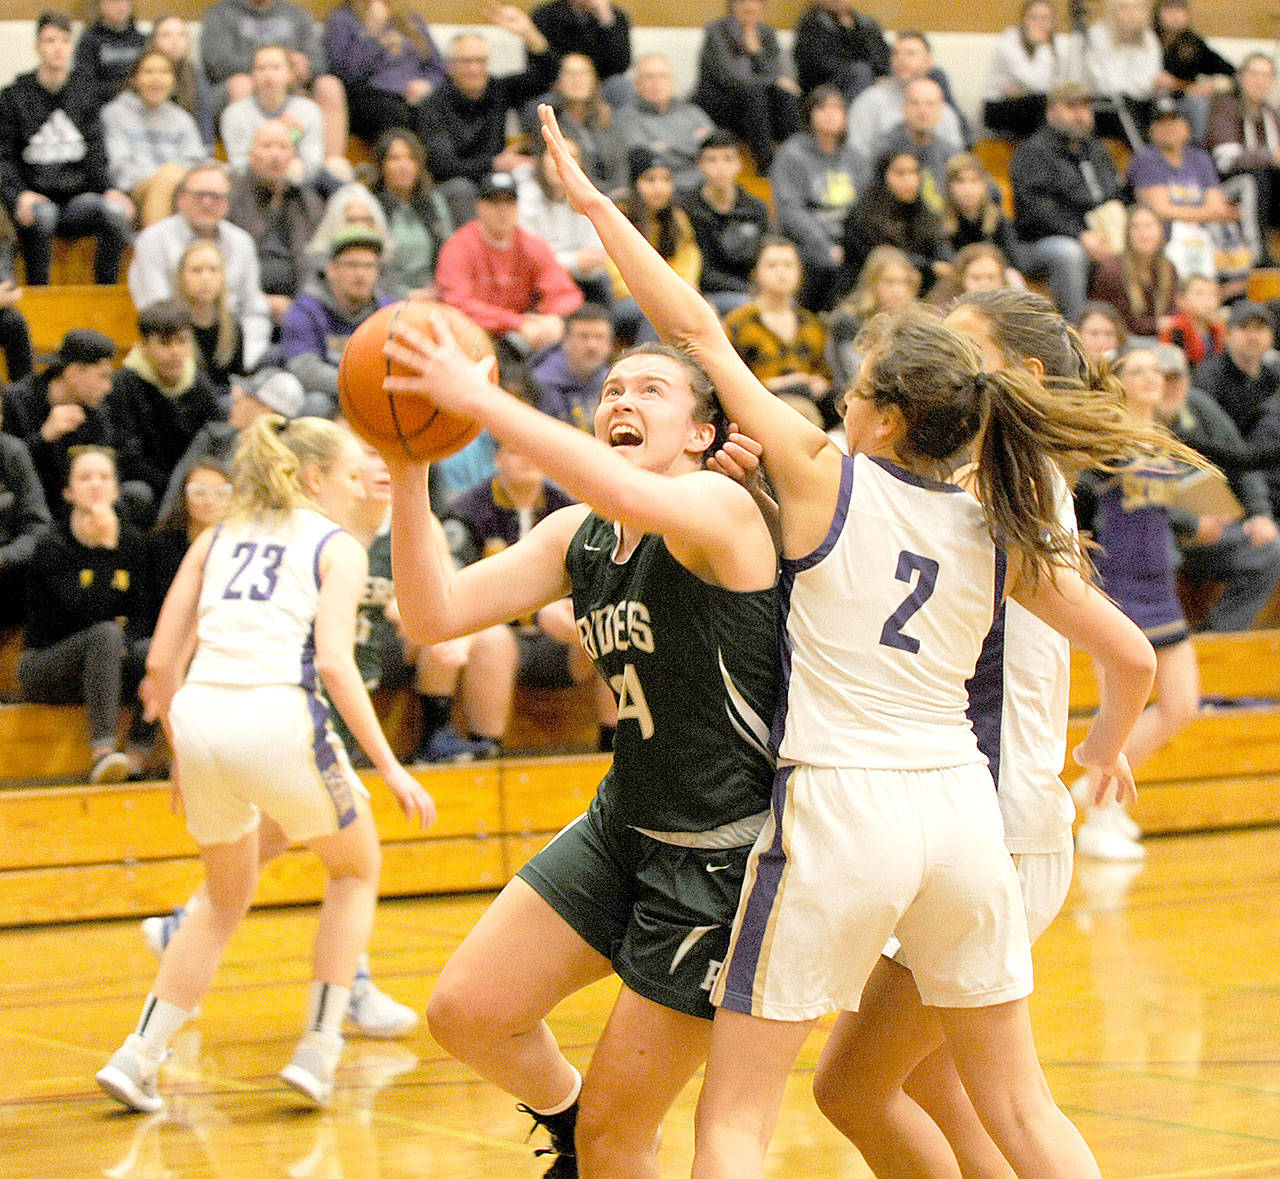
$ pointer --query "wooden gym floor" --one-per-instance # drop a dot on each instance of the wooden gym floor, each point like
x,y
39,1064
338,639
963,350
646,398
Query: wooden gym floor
x,y
1157,1015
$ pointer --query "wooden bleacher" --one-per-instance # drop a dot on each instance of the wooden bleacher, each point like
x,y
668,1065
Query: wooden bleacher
x,y
82,852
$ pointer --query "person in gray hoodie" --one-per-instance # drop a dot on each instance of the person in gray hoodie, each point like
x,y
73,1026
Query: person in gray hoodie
x,y
816,177
151,141
671,129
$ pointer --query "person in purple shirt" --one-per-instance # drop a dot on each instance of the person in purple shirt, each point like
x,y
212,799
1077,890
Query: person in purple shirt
x,y
384,55
320,322
571,375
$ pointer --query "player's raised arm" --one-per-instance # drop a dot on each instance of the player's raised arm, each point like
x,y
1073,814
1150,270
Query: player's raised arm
x,y
794,449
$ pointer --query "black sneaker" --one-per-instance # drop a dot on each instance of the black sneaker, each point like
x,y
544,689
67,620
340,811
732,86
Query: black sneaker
x,y
560,1127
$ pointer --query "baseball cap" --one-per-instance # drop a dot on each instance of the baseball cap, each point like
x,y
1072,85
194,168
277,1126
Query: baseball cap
x,y
497,186
1167,107
81,346
355,237
1246,311
277,390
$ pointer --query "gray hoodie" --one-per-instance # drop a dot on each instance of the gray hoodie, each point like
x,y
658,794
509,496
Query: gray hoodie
x,y
813,192
141,138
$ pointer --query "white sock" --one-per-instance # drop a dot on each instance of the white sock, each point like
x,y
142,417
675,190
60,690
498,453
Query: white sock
x,y
568,1101
326,1007
159,1023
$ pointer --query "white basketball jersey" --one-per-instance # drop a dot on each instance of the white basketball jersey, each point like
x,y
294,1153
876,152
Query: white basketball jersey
x,y
883,623
257,611
1019,698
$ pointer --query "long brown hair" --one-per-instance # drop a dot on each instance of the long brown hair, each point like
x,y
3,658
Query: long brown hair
x,y
1134,274
224,348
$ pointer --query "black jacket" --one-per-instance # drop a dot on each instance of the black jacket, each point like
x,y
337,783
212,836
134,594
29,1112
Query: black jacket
x,y
1050,193
730,242
824,48
50,142
570,31
24,515
105,57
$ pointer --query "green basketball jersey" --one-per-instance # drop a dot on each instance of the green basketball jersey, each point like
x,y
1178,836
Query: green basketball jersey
x,y
695,669
374,630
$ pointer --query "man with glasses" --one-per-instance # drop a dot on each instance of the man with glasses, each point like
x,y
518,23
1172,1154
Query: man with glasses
x,y
321,321
202,202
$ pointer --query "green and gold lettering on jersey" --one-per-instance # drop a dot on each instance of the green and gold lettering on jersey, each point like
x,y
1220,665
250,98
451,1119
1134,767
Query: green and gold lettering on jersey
x,y
695,669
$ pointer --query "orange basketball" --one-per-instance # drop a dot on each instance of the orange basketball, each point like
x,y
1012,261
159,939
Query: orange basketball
x,y
399,425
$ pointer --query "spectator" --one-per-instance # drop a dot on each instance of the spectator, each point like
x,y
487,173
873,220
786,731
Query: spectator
x,y
270,77
887,282
277,213
320,322
597,28
572,374
201,285
1189,66
742,83
1122,58
191,89
1101,331
483,521
232,30
651,208
269,390
1197,325
503,277
922,110
1027,65
159,399
878,109
892,212
667,126
202,201
150,140
24,518
1244,137
60,409
205,498
586,118
1243,553
543,208
463,124
1180,184
971,214
86,612
728,223
421,215
15,336
836,45
107,49
1239,378
385,57
1060,175
53,162
979,266
352,204
783,344
815,180
1139,283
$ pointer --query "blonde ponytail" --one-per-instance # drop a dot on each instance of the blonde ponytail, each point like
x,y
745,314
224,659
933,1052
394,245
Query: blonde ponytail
x,y
266,472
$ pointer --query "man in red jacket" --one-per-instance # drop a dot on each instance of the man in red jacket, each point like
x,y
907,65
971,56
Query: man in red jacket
x,y
503,277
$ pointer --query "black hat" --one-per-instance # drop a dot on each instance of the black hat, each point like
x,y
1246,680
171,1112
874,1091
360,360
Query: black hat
x,y
81,346
1247,311
1167,107
497,186
640,160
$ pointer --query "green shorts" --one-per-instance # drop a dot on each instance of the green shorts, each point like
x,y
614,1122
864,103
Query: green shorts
x,y
660,913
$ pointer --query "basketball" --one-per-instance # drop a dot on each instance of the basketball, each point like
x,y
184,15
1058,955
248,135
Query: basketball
x,y
402,426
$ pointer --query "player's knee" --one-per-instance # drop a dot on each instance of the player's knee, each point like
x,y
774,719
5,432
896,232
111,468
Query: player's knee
x,y
841,1102
607,1131
457,1016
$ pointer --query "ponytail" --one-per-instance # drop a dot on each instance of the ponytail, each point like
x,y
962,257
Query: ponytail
x,y
266,472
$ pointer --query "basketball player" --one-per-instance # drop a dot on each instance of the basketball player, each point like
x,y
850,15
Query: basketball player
x,y
672,572
270,597
884,818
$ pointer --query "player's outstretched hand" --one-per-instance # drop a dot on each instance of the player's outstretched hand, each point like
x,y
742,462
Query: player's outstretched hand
x,y
418,806
1110,781
438,367
578,188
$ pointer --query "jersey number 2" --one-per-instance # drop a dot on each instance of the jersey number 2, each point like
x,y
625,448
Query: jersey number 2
x,y
926,570
261,590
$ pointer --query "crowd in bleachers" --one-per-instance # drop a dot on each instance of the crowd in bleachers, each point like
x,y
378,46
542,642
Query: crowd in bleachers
x,y
801,191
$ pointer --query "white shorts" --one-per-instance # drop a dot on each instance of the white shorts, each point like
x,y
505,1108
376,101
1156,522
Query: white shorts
x,y
848,857
268,748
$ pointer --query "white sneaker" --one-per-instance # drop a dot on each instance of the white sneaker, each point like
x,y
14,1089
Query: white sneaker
x,y
110,768
375,1013
130,1076
311,1070
158,932
1102,839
